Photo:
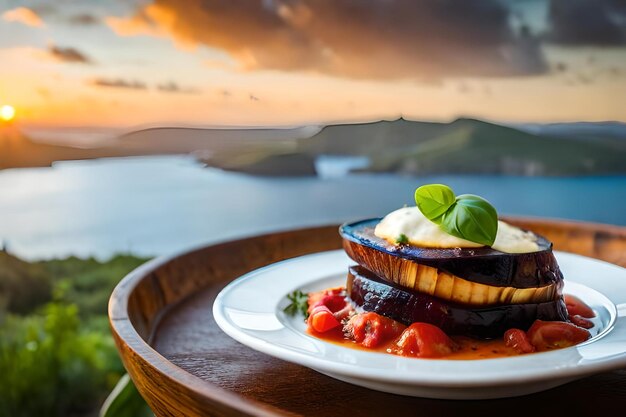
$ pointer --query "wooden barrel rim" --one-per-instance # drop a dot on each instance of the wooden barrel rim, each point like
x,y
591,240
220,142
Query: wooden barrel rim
x,y
124,332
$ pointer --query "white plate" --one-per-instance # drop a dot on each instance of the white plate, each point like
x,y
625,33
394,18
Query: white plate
x,y
250,310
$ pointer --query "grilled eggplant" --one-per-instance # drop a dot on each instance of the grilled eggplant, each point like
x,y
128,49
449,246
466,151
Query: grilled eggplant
x,y
471,276
407,306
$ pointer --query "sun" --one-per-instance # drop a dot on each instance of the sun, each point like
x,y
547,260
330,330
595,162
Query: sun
x,y
7,113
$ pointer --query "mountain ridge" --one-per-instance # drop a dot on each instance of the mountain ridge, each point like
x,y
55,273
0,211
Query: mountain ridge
x,y
463,146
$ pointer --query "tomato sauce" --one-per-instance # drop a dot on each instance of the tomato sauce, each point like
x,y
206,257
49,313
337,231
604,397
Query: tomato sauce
x,y
467,347
333,319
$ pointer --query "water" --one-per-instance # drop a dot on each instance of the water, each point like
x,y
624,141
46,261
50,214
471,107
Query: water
x,y
157,205
332,166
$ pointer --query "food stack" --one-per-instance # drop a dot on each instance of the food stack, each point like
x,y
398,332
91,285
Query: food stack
x,y
479,292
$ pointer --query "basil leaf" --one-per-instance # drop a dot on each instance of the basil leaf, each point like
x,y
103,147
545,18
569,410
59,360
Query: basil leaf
x,y
434,200
471,218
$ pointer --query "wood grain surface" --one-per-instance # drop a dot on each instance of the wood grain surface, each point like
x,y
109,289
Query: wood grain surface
x,y
184,365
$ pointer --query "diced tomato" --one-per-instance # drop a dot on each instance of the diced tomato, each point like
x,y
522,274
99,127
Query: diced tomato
x,y
371,329
334,302
327,291
581,322
332,298
314,299
322,319
517,339
424,340
576,307
546,335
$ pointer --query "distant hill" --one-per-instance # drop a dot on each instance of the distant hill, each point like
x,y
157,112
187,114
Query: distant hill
x,y
399,146
264,163
19,151
185,140
473,146
605,131
264,152
369,138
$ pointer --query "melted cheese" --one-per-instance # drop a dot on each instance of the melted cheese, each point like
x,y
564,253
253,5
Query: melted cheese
x,y
420,231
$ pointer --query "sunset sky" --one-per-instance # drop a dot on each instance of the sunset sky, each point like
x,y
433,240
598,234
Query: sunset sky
x,y
281,62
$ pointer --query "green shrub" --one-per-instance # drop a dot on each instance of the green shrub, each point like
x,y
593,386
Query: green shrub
x,y
52,364
57,356
23,286
88,283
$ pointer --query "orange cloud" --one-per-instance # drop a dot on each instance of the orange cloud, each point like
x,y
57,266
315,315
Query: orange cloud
x,y
429,39
147,21
23,15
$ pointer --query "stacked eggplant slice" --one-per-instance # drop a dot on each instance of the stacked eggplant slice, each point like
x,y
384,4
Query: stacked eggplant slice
x,y
477,292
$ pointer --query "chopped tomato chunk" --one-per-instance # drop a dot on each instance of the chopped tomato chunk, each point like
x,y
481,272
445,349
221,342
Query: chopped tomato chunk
x,y
517,339
332,298
424,340
371,329
333,302
322,319
576,307
581,322
546,335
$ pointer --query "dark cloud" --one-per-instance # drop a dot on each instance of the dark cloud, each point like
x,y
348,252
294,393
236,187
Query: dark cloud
x,y
426,40
172,87
587,22
84,19
69,54
119,83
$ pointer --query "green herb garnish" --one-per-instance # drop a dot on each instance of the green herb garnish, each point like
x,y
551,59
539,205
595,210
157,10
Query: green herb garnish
x,y
402,239
299,303
467,216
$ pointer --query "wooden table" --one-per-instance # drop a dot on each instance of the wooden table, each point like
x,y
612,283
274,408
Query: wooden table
x,y
184,365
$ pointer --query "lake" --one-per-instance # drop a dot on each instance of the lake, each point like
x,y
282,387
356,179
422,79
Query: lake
x,y
157,205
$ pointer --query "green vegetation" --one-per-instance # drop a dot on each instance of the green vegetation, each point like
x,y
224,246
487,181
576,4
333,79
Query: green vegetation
x,y
264,162
477,147
57,356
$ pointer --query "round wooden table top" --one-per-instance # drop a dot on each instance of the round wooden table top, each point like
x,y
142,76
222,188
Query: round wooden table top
x,y
184,365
